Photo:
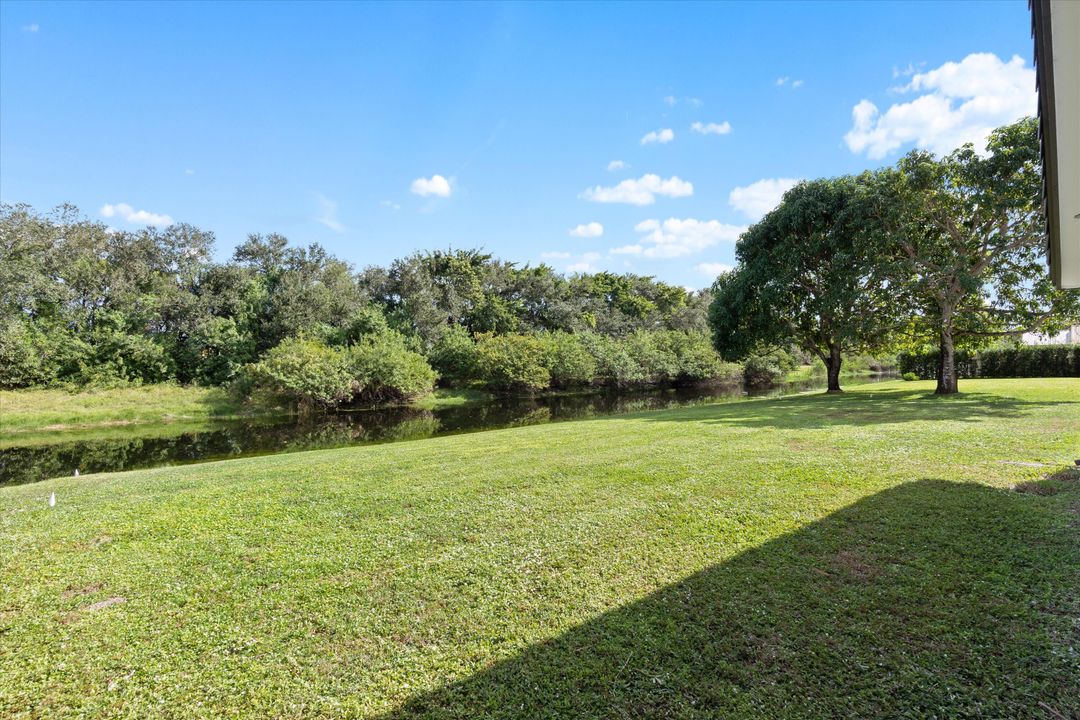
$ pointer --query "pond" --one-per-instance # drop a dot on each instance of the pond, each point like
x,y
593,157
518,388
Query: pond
x,y
145,446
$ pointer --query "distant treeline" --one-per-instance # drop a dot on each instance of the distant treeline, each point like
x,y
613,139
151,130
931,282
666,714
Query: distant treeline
x,y
85,304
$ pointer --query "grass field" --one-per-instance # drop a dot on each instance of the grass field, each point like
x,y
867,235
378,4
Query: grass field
x,y
861,555
62,411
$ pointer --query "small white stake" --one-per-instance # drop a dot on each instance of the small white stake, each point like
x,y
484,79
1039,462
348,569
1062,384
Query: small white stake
x,y
52,499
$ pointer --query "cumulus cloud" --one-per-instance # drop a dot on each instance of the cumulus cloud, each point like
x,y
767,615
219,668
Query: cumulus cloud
x,y
960,102
588,230
616,165
670,100
788,82
436,185
31,28
662,136
712,269
712,128
675,238
327,213
130,215
756,199
642,191
390,204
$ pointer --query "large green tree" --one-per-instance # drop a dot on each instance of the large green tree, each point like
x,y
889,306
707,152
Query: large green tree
x,y
807,275
967,241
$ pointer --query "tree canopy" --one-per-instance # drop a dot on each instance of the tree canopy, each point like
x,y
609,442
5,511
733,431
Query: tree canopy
x,y
808,274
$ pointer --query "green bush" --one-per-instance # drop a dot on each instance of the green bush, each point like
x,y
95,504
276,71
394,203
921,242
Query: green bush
x,y
378,368
1025,361
384,369
653,353
306,372
696,360
909,376
214,352
614,364
38,354
513,362
454,355
568,361
767,367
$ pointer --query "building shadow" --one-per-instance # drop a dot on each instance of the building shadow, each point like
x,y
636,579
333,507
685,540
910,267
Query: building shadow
x,y
930,599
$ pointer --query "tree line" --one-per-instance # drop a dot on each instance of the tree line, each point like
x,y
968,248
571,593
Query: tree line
x,y
85,304
945,252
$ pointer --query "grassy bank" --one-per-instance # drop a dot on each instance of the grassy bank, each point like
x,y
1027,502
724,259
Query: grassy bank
x,y
61,410
861,555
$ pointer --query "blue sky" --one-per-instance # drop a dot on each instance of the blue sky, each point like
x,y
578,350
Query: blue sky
x,y
379,129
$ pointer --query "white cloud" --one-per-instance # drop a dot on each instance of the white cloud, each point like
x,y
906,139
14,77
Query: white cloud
x,y
135,217
663,136
436,185
695,102
961,103
189,171
642,191
390,204
788,82
327,213
756,199
585,264
796,83
31,28
712,128
675,238
616,165
555,255
910,70
588,230
712,269
670,100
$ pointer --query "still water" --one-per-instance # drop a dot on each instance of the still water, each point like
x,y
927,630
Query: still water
x,y
152,445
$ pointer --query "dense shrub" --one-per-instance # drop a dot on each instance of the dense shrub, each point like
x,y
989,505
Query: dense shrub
x,y
384,369
454,355
214,352
654,355
568,361
614,364
909,376
34,355
767,367
696,360
377,368
1026,361
513,362
306,372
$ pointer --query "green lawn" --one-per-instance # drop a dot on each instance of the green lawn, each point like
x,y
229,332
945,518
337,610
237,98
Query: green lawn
x,y
37,411
861,555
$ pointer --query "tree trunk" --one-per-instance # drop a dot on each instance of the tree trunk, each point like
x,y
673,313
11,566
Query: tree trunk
x,y
833,367
946,376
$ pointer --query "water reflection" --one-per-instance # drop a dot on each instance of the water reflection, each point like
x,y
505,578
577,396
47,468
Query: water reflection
x,y
277,435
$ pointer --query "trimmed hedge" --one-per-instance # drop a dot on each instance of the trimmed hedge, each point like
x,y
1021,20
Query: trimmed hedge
x,y
1028,361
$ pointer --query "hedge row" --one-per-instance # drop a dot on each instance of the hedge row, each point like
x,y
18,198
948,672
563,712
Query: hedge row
x,y
1029,361
536,362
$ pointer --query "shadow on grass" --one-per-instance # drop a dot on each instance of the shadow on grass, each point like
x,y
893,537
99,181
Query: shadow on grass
x,y
857,408
931,599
